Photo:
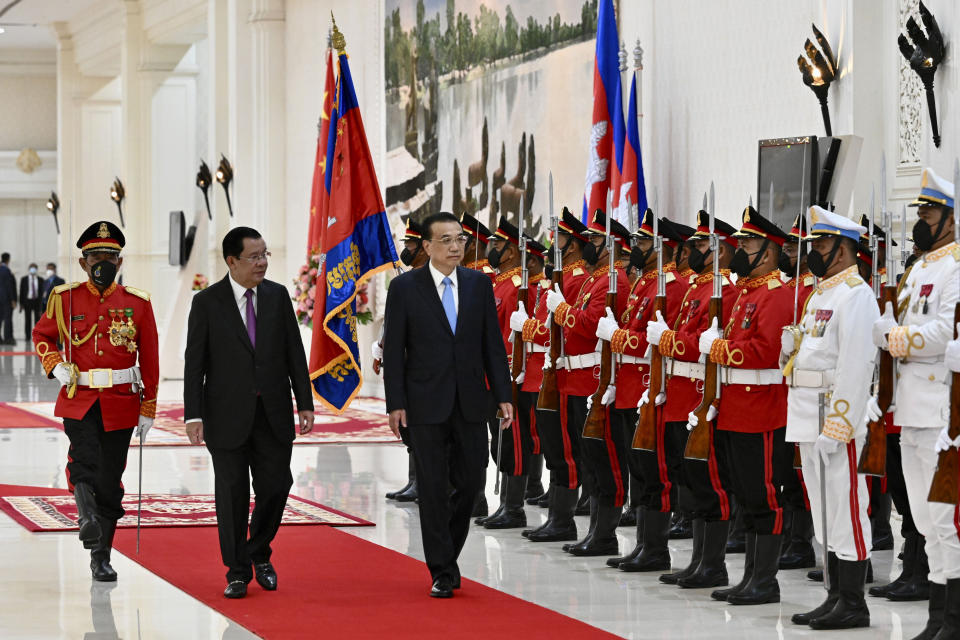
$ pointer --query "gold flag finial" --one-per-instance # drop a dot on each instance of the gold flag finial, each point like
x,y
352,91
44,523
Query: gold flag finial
x,y
339,42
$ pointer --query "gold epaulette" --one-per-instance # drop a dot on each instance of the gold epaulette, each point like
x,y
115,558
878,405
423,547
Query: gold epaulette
x,y
140,293
60,288
516,280
670,277
577,271
774,284
956,253
808,281
853,281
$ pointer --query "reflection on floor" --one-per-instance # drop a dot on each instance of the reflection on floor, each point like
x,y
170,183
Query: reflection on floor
x,y
48,592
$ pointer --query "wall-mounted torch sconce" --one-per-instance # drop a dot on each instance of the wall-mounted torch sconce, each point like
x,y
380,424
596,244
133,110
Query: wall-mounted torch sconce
x,y
924,55
53,206
117,193
225,177
819,72
204,180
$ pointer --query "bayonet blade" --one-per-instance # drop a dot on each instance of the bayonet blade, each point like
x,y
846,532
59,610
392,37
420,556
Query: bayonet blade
x,y
550,193
956,212
770,203
713,198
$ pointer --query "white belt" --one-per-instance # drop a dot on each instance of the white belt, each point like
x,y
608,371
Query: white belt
x,y
537,348
633,360
810,378
751,376
106,378
685,369
585,361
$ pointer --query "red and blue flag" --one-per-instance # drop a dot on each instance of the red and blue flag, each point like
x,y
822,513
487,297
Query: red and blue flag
x,y
632,190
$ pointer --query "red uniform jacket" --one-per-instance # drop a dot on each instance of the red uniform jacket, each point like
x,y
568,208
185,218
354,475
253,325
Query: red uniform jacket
x,y
579,323
110,331
505,287
683,343
483,266
633,378
751,340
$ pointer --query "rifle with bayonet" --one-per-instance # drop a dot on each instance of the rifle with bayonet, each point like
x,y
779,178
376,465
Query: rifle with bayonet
x,y
645,437
596,422
549,398
519,358
698,443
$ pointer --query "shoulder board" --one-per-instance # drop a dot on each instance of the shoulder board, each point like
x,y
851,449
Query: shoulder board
x,y
808,281
956,253
670,277
577,272
774,284
140,293
853,281
692,278
487,269
60,288
546,284
516,280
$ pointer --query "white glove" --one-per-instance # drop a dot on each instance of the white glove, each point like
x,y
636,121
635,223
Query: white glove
x,y
523,374
944,442
645,398
655,329
708,336
143,426
554,298
825,446
609,395
952,355
377,351
882,327
517,318
873,410
693,420
787,343
547,363
606,326
62,373
589,402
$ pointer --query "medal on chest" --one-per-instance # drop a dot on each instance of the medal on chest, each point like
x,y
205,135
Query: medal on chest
x,y
586,300
820,320
749,309
921,305
122,330
693,307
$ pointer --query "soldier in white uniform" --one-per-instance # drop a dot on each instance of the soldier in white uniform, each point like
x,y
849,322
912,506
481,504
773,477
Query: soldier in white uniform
x,y
919,341
831,352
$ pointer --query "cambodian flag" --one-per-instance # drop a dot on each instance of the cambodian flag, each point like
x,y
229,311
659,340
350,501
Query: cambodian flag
x,y
318,194
632,190
605,155
356,244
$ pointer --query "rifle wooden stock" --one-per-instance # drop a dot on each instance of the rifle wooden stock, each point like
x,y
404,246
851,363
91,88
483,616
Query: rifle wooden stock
x,y
596,422
645,437
549,398
518,351
873,458
698,443
946,479
797,460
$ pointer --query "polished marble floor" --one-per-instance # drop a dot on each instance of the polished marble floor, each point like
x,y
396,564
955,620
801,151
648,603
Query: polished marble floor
x,y
47,590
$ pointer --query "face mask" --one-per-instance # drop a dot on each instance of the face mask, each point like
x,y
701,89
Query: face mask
x,y
741,263
639,258
407,257
819,265
103,273
591,254
698,260
50,273
924,236
786,265
494,256
33,271
548,271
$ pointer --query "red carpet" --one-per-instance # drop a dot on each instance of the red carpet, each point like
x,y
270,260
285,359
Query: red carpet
x,y
334,585
14,418
16,353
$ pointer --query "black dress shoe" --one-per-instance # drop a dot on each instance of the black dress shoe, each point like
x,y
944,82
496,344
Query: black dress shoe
x,y
442,588
236,589
266,575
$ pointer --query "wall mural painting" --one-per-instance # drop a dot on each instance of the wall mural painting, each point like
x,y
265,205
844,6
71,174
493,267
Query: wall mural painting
x,y
474,90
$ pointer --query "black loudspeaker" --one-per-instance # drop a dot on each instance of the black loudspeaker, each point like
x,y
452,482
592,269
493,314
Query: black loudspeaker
x,y
181,240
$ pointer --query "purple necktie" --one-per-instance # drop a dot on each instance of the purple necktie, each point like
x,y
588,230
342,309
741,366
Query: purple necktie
x,y
251,318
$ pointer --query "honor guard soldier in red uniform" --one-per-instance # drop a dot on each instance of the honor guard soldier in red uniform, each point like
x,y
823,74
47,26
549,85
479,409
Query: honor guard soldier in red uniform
x,y
109,382
559,438
752,416
710,501
651,485
797,551
475,253
604,458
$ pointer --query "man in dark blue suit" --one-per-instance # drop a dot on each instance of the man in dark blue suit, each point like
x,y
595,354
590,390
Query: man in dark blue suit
x,y
52,280
443,357
8,300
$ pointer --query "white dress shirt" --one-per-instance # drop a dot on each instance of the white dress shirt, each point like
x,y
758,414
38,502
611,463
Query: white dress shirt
x,y
438,281
240,294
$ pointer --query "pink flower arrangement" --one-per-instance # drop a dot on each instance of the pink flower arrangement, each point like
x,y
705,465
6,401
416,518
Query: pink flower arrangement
x,y
200,282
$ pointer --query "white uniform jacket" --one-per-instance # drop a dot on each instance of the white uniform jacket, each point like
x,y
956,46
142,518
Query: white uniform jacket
x,y
926,325
837,341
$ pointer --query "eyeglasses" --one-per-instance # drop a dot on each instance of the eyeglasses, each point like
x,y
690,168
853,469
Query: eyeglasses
x,y
459,239
256,257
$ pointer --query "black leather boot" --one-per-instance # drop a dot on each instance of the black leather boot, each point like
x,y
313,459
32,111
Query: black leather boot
x,y
737,540
592,503
881,532
950,629
100,555
544,501
712,571
503,504
748,567
87,515
534,479
763,586
654,554
411,478
583,505
560,525
628,518
817,574
917,586
681,526
850,611
604,540
832,594
698,526
798,552
935,612
513,515
637,518
409,492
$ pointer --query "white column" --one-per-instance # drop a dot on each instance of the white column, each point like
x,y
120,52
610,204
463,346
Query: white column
x,y
67,137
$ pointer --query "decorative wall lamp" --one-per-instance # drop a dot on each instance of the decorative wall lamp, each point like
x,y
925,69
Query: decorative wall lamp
x,y
225,177
204,180
819,72
53,206
925,55
117,193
